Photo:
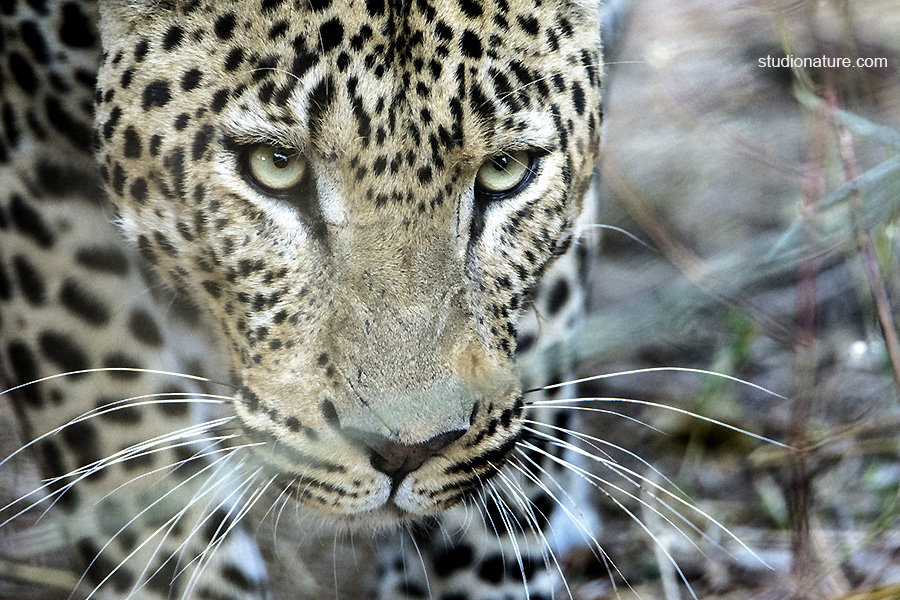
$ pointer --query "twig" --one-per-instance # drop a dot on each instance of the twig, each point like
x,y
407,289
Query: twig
x,y
864,242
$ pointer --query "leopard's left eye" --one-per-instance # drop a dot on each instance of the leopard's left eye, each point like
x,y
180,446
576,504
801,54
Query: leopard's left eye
x,y
505,174
274,169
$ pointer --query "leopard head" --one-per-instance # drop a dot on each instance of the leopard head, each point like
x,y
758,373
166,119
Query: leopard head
x,y
361,194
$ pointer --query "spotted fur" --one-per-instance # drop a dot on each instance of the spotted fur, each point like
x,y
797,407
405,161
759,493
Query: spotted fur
x,y
364,322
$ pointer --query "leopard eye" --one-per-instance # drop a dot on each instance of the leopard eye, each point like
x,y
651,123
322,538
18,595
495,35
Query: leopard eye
x,y
505,174
275,169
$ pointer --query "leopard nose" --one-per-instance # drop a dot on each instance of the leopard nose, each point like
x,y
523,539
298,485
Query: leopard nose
x,y
395,459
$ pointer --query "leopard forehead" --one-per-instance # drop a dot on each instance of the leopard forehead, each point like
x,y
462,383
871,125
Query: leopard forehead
x,y
374,91
384,300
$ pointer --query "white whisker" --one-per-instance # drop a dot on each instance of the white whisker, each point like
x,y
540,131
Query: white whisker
x,y
183,398
562,404
114,370
140,514
590,477
658,370
85,471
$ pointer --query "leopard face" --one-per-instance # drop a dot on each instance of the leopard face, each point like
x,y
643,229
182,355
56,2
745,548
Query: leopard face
x,y
361,194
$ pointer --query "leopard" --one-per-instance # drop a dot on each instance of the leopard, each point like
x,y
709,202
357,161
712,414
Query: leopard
x,y
290,253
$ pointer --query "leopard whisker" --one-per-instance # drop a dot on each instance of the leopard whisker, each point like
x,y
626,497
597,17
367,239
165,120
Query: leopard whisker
x,y
635,479
624,232
528,507
606,411
286,494
515,491
204,558
174,466
512,525
84,471
132,402
608,561
596,481
119,370
578,522
169,525
173,521
149,538
421,562
592,441
561,403
657,370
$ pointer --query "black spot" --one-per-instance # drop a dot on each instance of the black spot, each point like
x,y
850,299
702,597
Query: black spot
x,y
77,30
24,369
529,24
165,581
77,132
32,37
330,414
5,285
10,126
30,281
578,98
201,141
22,72
81,438
173,37
212,288
156,94
82,303
219,100
450,560
216,526
375,7
118,179
234,58
109,126
155,143
319,102
105,259
471,44
143,327
132,143
138,190
413,590
60,350
191,80
492,569
237,578
29,222
224,26
557,296
331,34
278,30
140,50
472,8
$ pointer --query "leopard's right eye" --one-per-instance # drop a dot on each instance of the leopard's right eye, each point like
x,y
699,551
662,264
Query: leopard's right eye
x,y
273,169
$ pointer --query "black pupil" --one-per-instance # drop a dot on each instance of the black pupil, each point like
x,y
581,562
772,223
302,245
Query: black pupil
x,y
501,163
280,160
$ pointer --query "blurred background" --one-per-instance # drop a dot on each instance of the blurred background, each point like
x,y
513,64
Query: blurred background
x,y
767,202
